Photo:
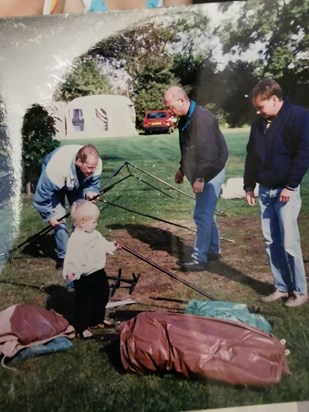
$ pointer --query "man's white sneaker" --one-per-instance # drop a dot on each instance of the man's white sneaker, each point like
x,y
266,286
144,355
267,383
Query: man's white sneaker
x,y
296,300
274,296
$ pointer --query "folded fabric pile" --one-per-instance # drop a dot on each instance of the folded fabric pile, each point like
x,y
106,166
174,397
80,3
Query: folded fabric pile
x,y
28,326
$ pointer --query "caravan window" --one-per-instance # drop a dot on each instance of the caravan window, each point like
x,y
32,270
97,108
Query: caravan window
x,y
78,120
101,119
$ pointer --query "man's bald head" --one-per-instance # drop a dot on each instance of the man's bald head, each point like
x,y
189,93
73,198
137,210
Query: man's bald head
x,y
176,101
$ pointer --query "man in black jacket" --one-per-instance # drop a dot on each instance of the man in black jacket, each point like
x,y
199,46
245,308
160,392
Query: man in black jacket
x,y
203,157
277,159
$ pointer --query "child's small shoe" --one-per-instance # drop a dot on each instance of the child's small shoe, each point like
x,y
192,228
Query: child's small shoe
x,y
98,326
86,334
108,323
70,286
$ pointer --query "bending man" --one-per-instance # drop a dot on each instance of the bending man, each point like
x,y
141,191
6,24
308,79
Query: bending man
x,y
71,171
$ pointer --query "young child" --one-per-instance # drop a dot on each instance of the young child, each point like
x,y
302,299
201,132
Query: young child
x,y
84,265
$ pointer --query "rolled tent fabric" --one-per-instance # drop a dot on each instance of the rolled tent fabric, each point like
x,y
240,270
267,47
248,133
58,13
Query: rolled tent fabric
x,y
23,326
192,345
30,323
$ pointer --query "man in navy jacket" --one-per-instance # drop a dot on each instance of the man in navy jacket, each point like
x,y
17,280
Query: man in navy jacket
x,y
277,159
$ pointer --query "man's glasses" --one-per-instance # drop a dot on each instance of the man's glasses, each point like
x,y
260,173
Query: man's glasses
x,y
172,106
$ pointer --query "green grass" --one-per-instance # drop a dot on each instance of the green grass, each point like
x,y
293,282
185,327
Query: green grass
x,y
83,378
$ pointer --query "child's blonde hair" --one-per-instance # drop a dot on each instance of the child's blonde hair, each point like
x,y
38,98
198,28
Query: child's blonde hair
x,y
83,210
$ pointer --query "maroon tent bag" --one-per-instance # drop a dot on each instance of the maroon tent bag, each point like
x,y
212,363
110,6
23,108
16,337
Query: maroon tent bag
x,y
200,346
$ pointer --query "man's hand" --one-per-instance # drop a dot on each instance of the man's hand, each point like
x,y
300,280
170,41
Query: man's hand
x,y
198,186
53,222
179,176
92,196
250,199
285,195
70,277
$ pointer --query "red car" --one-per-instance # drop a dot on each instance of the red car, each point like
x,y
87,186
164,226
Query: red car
x,y
158,121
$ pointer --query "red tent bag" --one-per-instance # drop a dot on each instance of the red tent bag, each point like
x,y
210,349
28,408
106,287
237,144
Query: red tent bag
x,y
200,346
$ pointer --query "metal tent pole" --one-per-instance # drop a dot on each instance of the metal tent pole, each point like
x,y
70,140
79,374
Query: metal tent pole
x,y
172,275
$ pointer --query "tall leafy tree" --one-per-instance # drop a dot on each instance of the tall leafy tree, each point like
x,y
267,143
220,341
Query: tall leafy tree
x,y
83,80
38,131
155,56
143,54
188,69
137,48
228,92
279,31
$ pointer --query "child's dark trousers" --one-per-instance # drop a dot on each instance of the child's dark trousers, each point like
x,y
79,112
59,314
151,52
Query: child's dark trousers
x,y
91,297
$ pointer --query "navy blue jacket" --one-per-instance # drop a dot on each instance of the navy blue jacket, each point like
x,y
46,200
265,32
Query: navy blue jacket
x,y
278,156
202,145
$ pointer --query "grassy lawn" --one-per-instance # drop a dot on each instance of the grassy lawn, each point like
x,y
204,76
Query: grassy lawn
x,y
86,379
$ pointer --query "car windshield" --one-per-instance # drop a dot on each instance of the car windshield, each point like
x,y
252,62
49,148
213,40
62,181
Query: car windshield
x,y
156,115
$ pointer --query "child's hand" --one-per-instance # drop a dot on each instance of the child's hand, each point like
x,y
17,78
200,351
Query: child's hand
x,y
117,245
70,276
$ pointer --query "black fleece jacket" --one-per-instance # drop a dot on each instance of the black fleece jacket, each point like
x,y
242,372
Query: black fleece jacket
x,y
202,145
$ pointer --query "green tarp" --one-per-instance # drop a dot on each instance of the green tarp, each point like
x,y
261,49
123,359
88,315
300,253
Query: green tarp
x,y
231,311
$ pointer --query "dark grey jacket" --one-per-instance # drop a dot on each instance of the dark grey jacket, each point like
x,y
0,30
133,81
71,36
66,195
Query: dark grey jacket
x,y
202,145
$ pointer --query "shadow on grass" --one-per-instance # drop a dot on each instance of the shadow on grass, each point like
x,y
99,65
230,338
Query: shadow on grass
x,y
22,285
111,341
61,301
160,239
44,246
222,269
157,239
111,347
59,298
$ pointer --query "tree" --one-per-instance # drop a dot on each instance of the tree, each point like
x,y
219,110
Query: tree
x,y
150,86
278,30
85,79
157,55
232,88
188,68
38,130
148,99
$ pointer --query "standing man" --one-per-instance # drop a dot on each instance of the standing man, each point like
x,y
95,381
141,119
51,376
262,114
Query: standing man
x,y
71,171
277,159
203,157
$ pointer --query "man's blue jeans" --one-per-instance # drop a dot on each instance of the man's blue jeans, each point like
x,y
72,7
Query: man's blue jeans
x,y
61,230
281,235
207,238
